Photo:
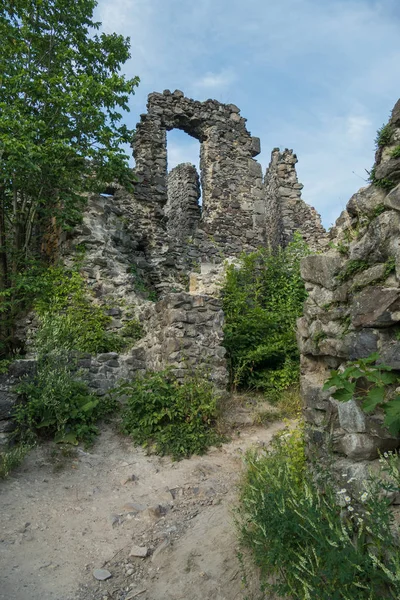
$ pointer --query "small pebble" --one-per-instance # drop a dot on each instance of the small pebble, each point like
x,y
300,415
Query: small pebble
x,y
101,574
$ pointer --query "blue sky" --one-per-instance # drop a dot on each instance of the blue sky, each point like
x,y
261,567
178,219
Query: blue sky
x,y
318,76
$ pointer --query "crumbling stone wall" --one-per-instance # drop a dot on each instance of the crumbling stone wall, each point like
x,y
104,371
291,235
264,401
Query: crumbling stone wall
x,y
184,331
231,179
285,210
353,310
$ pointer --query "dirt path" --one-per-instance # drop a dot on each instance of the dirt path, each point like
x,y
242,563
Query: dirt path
x,y
61,518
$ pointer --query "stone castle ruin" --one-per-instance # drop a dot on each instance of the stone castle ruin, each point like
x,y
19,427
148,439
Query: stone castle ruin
x,y
159,256
160,244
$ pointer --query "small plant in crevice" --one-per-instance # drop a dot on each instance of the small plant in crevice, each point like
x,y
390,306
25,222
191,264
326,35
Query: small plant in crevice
x,y
395,153
169,416
141,285
384,182
373,384
383,136
352,267
262,298
308,540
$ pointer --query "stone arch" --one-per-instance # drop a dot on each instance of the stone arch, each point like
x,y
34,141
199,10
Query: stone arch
x,y
231,180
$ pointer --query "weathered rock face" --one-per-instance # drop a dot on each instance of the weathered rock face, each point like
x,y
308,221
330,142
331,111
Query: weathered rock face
x,y
353,310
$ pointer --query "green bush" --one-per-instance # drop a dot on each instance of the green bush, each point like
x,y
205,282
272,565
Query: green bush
x,y
307,545
262,299
55,402
168,416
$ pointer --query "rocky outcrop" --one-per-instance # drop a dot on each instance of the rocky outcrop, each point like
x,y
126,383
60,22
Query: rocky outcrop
x,y
352,311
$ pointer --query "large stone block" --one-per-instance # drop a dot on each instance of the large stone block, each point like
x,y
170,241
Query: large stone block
x,y
380,240
362,446
321,269
376,307
392,200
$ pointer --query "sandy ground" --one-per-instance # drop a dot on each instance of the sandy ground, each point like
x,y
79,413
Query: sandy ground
x,y
62,517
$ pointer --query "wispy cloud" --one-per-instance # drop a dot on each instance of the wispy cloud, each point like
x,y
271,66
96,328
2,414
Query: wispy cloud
x,y
215,81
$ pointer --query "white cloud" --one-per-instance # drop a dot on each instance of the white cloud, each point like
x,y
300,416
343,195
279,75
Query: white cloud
x,y
215,81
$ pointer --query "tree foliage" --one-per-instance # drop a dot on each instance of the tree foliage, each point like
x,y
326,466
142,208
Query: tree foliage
x,y
262,299
61,101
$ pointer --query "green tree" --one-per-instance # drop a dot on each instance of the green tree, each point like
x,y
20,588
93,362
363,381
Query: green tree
x,y
61,99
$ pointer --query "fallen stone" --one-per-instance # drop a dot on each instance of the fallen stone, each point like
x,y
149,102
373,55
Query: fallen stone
x,y
101,574
133,507
139,551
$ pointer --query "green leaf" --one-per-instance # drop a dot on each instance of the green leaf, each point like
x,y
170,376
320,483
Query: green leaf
x,y
344,395
66,438
392,417
374,397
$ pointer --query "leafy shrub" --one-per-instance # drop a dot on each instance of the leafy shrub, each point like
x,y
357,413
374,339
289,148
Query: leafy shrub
x,y
262,299
372,382
55,402
168,416
299,535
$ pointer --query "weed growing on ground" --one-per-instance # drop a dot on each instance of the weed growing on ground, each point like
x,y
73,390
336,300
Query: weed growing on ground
x,y
12,458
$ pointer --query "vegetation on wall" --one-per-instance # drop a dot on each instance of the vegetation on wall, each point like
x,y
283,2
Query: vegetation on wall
x,y
169,416
309,542
262,299
371,382
61,99
56,402
69,317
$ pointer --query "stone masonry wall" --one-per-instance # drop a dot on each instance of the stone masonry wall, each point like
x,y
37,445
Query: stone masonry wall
x,y
286,212
184,331
353,310
157,243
